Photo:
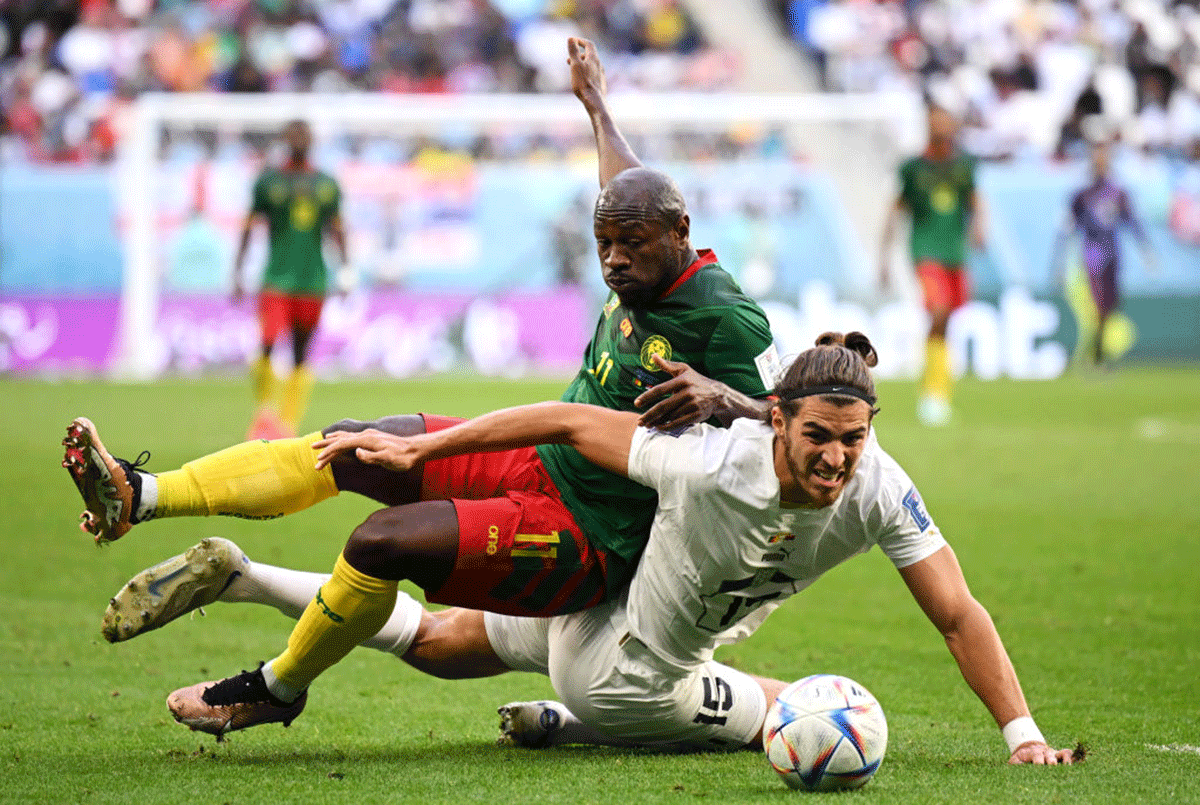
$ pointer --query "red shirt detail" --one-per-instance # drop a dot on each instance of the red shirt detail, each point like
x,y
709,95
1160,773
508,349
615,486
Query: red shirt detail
x,y
704,257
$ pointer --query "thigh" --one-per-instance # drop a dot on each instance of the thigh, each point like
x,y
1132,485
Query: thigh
x,y
480,475
521,644
305,311
523,554
1104,288
273,315
959,284
379,484
944,288
646,700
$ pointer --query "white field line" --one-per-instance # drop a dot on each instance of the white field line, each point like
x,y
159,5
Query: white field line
x,y
1178,748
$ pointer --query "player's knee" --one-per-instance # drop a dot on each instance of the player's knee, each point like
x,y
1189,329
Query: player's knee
x,y
398,425
374,548
346,426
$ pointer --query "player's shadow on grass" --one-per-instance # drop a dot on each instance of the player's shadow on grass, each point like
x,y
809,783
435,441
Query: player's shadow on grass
x,y
452,754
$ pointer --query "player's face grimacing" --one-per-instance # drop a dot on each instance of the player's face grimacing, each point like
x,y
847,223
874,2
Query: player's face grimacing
x,y
817,450
640,255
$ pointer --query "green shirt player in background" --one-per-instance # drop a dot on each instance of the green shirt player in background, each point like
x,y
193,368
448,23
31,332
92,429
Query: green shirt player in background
x,y
299,204
937,190
525,532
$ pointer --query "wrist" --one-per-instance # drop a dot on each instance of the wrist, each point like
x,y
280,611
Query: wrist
x,y
1021,731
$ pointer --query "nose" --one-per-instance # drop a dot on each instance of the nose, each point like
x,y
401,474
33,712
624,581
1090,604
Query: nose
x,y
833,455
616,258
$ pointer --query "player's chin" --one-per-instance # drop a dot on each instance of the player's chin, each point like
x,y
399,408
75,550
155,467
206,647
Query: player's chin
x,y
823,494
631,294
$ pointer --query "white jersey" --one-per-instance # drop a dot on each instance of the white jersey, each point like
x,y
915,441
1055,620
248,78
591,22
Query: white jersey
x,y
723,553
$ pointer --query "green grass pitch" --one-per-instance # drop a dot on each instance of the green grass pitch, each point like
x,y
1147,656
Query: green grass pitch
x,y
1074,507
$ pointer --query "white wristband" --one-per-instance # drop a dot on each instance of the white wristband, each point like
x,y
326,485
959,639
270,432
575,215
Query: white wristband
x,y
1021,731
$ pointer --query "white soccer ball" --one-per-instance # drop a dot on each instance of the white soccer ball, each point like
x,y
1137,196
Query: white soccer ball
x,y
824,733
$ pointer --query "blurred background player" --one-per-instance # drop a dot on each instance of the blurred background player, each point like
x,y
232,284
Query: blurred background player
x,y
1097,212
299,204
937,190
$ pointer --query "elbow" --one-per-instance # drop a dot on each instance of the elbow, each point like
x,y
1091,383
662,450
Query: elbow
x,y
960,624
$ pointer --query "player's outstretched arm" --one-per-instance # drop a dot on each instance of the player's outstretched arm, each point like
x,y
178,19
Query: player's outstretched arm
x,y
690,397
601,435
590,87
938,585
240,258
979,220
890,224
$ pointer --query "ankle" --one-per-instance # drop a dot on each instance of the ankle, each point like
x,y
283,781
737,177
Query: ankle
x,y
145,496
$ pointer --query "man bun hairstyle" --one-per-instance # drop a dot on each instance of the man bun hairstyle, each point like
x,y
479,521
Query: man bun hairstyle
x,y
837,370
855,341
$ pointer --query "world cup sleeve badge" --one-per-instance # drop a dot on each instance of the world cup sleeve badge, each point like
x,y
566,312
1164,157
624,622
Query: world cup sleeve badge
x,y
916,509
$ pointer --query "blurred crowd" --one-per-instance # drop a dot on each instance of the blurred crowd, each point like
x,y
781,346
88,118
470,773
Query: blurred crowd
x,y
71,66
1031,78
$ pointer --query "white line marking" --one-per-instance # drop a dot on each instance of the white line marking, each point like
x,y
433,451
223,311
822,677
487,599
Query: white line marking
x,y
1179,748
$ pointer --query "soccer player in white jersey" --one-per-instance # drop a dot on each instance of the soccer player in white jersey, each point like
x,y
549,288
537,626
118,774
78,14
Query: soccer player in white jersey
x,y
746,517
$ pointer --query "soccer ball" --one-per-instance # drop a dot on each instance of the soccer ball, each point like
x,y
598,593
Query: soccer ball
x,y
824,733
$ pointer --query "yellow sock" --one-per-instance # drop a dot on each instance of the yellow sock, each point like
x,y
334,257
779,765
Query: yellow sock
x,y
256,480
348,609
295,396
263,377
937,368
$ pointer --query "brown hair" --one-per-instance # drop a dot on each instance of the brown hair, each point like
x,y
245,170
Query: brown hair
x,y
836,361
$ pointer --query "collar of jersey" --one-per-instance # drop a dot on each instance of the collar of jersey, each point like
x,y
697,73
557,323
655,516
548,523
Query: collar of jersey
x,y
704,257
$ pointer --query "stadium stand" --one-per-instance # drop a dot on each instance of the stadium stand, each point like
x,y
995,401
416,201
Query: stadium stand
x,y
70,68
1027,76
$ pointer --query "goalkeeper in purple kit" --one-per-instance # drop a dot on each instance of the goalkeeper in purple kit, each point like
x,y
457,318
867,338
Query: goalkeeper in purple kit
x,y
1097,213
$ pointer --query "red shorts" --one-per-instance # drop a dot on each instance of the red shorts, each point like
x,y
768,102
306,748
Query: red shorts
x,y
520,551
945,288
279,312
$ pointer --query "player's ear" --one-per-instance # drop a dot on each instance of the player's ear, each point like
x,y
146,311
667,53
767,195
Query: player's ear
x,y
778,423
683,228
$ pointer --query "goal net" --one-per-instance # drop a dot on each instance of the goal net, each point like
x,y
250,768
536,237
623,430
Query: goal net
x,y
469,218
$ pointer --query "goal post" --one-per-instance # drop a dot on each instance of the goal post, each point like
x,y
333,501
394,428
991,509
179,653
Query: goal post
x,y
854,140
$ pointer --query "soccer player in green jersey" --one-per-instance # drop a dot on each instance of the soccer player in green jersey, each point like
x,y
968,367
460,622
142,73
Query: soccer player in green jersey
x,y
937,190
525,531
298,204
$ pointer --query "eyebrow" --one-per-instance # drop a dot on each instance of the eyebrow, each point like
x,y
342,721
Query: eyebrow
x,y
862,429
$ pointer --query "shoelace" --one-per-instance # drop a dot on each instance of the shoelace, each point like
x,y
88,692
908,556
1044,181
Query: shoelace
x,y
135,480
240,689
142,460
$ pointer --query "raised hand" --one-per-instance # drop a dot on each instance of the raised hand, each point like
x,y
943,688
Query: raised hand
x,y
587,74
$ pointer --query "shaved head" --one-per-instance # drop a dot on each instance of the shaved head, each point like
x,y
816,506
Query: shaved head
x,y
642,193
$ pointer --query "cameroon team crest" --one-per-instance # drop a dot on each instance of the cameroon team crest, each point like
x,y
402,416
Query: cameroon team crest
x,y
655,345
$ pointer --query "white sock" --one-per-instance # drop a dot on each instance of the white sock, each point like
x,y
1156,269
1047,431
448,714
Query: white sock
x,y
148,498
290,591
279,689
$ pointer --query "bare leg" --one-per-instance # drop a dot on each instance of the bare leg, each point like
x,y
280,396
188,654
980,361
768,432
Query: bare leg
x,y
388,487
453,644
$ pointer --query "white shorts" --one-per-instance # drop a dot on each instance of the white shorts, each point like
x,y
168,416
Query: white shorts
x,y
614,683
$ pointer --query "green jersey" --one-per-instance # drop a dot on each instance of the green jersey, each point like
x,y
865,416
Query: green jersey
x,y
298,205
705,320
938,195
